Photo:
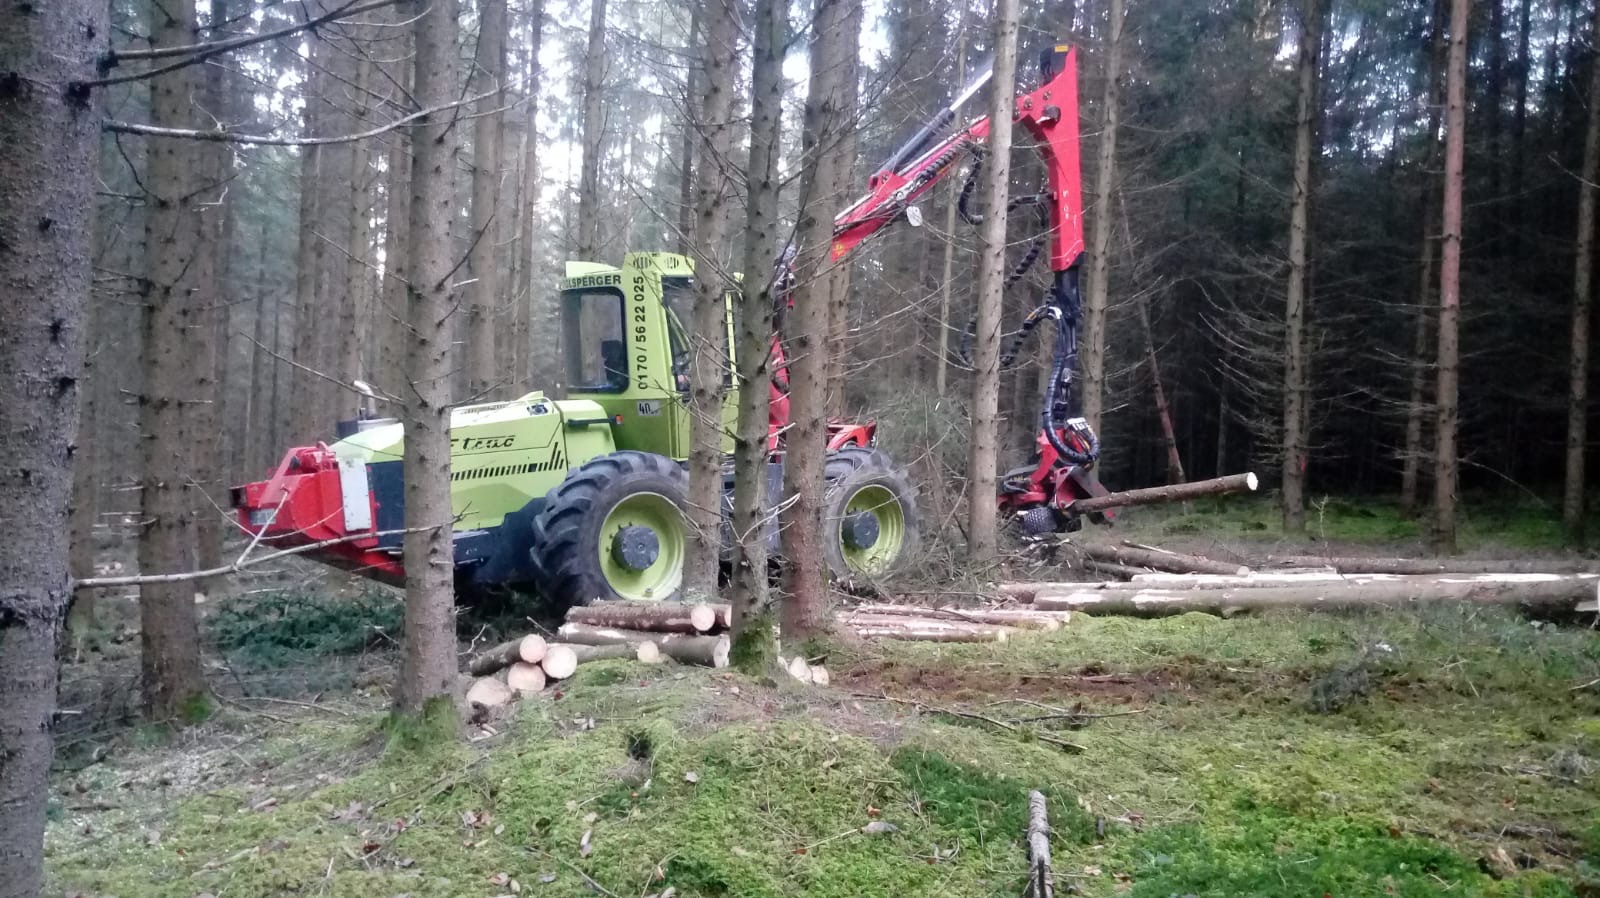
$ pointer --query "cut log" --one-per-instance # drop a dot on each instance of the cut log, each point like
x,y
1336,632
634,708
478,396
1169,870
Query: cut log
x,y
488,692
1041,881
1161,561
1112,569
706,651
799,669
525,678
1178,492
587,653
925,630
559,662
820,676
529,649
1505,589
1026,618
659,617
647,652
1357,565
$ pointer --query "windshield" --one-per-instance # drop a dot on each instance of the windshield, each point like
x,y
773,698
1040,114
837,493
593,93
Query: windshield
x,y
597,357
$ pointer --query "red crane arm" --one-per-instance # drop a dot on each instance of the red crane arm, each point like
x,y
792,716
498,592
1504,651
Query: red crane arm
x,y
1050,116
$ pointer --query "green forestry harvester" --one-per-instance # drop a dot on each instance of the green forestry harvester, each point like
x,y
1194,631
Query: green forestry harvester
x,y
580,498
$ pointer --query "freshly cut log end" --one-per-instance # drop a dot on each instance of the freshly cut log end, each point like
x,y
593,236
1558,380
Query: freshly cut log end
x,y
525,678
559,662
529,649
489,692
663,617
648,653
820,675
799,669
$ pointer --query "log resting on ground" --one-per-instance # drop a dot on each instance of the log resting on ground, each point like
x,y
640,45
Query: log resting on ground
x,y
1358,565
1178,492
711,651
663,617
524,678
488,692
1026,618
706,651
924,629
559,662
1041,879
1111,569
1517,589
1161,561
529,649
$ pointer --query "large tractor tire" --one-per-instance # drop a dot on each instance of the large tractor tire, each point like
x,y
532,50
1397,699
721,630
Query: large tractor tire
x,y
870,525
613,530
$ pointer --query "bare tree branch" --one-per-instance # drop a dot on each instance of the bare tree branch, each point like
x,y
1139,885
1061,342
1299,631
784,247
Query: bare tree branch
x,y
225,136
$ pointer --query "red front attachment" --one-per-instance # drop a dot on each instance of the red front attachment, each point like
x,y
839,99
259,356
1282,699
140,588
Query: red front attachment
x,y
305,502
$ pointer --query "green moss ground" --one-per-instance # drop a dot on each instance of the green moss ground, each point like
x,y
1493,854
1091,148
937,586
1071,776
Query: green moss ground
x,y
1281,755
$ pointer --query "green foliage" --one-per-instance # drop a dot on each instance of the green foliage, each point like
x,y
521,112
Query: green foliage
x,y
436,727
280,629
978,805
755,647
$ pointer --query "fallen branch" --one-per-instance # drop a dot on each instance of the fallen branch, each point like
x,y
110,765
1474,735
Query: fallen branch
x,y
1063,744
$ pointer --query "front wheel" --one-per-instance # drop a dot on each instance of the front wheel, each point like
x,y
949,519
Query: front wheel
x,y
870,524
613,530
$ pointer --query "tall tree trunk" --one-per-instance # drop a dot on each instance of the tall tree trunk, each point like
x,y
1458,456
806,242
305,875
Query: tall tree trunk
x,y
751,614
942,372
687,140
1163,412
994,193
1096,299
428,662
1297,362
1519,122
1446,467
829,116
483,364
528,288
1572,505
173,319
47,176
713,277
393,320
593,135
1417,406
299,413
356,264
1494,97
258,440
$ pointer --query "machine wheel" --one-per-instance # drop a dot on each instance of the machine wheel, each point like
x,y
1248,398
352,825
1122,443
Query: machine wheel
x,y
614,529
869,514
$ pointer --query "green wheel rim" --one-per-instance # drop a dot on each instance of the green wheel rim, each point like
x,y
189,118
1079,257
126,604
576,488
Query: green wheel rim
x,y
662,578
885,505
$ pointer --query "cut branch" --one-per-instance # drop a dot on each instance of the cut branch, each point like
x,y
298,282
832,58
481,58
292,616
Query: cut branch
x,y
1041,882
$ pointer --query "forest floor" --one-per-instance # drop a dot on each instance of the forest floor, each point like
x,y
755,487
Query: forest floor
x,y
1442,752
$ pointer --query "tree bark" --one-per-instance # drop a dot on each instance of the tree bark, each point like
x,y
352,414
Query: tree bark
x,y
828,115
299,417
670,617
528,650
994,194
593,135
1446,466
47,176
393,321
1041,878
687,139
483,364
169,639
1416,407
1572,505
750,612
1096,298
713,277
941,383
1297,363
529,250
428,662
1162,602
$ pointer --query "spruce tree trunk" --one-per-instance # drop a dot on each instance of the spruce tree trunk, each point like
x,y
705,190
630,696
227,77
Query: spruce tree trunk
x,y
829,115
1297,362
356,261
392,314
1572,505
483,366
47,176
428,662
299,407
173,319
713,277
1417,407
994,192
1446,466
593,135
528,287
750,613
687,139
1096,298
1163,413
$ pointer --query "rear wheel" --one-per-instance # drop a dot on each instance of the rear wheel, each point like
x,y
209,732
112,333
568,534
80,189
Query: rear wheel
x,y
613,530
870,524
